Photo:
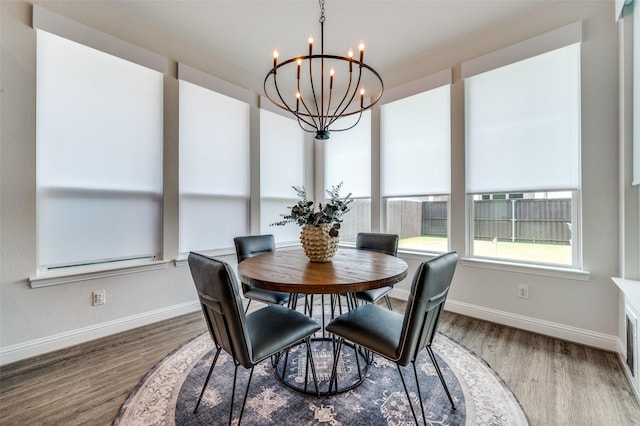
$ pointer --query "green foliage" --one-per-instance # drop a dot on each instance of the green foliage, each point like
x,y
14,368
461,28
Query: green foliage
x,y
304,213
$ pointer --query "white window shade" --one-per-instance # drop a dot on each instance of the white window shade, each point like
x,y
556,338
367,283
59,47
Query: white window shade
x,y
214,142
348,159
282,161
416,148
523,125
282,147
214,168
99,153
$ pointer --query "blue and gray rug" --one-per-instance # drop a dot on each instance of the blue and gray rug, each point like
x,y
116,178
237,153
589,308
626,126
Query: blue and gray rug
x,y
168,393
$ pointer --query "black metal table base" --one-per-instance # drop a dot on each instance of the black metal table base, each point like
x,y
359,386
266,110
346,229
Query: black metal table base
x,y
293,369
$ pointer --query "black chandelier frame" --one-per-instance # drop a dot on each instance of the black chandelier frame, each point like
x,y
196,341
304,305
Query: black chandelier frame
x,y
314,117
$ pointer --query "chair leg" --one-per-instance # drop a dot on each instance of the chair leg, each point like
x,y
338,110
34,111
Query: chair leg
x,y
406,391
386,298
306,368
213,364
247,308
244,401
435,364
415,373
233,392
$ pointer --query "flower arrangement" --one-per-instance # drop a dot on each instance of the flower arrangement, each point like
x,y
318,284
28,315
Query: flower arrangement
x,y
304,213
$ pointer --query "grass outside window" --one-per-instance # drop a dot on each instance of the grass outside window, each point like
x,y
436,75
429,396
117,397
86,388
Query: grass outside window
x,y
529,252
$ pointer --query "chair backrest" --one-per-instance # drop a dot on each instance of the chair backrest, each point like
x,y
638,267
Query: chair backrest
x,y
429,290
221,305
253,245
383,243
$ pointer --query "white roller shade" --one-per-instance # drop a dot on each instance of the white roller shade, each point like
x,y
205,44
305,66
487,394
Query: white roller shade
x,y
282,160
99,153
416,147
214,168
523,125
348,159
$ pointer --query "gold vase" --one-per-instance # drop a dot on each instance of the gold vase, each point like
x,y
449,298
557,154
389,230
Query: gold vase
x,y
318,245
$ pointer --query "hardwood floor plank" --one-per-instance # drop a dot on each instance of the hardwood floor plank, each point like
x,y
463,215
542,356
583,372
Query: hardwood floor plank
x,y
557,382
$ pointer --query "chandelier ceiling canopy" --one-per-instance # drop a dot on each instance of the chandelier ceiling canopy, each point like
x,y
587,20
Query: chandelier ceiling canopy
x,y
325,93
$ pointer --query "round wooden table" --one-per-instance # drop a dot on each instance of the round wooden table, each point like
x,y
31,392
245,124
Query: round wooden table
x,y
290,271
350,271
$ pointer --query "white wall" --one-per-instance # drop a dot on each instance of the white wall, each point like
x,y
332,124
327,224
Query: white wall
x,y
33,321
37,320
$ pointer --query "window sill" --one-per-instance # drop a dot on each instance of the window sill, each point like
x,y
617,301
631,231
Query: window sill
x,y
229,255
225,254
92,272
523,268
418,254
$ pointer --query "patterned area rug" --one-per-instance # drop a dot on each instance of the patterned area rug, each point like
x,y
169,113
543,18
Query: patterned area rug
x,y
168,393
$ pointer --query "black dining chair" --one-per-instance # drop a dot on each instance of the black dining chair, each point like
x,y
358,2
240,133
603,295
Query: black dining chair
x,y
248,339
383,243
400,337
253,245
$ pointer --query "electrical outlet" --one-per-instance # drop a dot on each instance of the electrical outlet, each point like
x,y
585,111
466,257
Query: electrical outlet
x,y
98,297
523,291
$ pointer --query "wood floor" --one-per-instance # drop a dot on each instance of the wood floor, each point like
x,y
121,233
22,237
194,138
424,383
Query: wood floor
x,y
557,383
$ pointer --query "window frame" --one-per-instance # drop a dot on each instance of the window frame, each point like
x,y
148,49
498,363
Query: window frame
x,y
49,22
223,88
541,44
429,82
291,199
384,217
576,251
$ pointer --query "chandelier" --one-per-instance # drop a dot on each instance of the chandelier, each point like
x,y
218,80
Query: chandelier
x,y
320,99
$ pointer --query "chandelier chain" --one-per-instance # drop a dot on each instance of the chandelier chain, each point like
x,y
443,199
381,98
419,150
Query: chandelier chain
x,y
322,11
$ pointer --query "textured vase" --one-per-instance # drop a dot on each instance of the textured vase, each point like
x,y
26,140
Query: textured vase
x,y
318,245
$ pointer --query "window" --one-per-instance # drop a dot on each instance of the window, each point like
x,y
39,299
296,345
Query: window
x,y
214,163
416,168
535,227
347,159
282,165
99,153
523,158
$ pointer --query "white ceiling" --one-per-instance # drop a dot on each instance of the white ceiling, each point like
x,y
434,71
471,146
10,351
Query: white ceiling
x,y
246,32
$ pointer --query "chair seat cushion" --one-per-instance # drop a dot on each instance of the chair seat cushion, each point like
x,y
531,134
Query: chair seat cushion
x,y
371,326
372,296
275,328
266,296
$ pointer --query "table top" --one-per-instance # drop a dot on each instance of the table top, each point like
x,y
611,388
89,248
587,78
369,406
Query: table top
x,y
350,271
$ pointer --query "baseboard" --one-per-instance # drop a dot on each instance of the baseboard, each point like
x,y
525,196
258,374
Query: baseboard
x,y
535,325
41,346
